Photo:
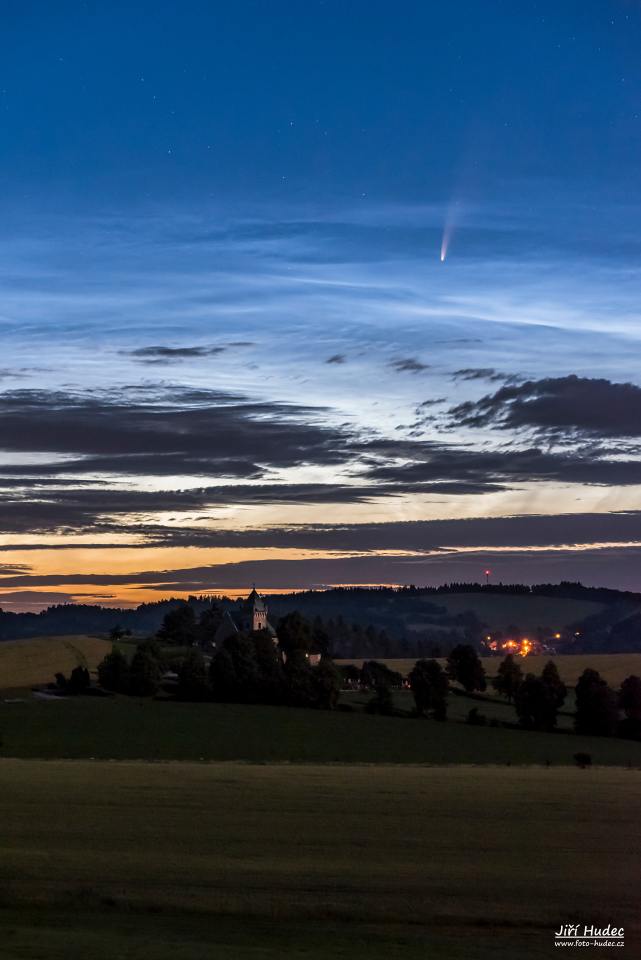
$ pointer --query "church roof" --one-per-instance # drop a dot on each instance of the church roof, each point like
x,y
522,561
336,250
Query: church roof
x,y
254,601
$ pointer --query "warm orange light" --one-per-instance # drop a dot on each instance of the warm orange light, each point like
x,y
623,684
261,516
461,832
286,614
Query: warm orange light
x,y
522,647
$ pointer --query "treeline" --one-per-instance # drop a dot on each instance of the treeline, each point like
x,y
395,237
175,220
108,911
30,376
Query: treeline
x,y
403,622
187,625
71,618
567,589
599,709
246,668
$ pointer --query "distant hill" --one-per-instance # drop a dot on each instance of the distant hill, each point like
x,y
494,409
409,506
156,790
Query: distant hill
x,y
426,622
396,622
413,612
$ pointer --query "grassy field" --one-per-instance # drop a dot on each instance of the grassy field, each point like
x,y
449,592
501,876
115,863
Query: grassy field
x,y
460,704
156,860
341,835
24,663
127,728
613,667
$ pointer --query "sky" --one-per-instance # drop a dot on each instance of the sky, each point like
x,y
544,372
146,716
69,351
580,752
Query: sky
x,y
313,294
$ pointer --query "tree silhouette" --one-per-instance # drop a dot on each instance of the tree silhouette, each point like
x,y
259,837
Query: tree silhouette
x,y
596,705
630,703
430,688
144,674
508,678
179,626
550,677
192,677
535,704
464,666
294,633
113,672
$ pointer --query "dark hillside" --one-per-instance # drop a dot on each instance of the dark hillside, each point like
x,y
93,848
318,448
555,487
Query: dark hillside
x,y
397,622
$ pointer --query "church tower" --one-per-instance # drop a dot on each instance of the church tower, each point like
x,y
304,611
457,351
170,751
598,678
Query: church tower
x,y
256,611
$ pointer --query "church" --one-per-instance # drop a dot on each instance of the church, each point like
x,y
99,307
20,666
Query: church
x,y
252,616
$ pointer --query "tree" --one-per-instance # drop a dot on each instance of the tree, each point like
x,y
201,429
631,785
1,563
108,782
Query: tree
x,y
299,681
550,677
630,697
294,633
192,677
382,702
208,623
351,675
508,678
630,703
153,648
326,684
144,674
234,671
464,665
79,681
535,704
222,676
430,688
321,640
596,706
179,626
243,653
374,674
113,672
269,664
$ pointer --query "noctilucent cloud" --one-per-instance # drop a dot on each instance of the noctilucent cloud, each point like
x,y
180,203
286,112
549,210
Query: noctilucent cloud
x,y
314,294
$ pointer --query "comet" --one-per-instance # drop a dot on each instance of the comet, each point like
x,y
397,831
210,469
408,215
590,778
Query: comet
x,y
445,242
451,219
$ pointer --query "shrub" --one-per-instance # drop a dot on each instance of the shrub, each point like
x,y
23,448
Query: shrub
x,y
475,718
382,702
192,677
583,760
144,674
113,672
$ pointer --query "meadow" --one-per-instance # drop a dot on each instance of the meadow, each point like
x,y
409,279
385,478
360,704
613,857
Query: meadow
x,y
130,728
25,663
388,860
158,830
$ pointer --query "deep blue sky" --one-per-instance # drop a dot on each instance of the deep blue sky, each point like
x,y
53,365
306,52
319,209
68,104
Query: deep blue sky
x,y
123,101
230,349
